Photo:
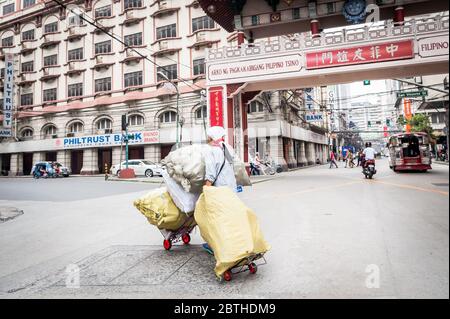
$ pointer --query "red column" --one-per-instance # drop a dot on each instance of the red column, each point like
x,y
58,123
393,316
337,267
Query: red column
x,y
399,16
315,28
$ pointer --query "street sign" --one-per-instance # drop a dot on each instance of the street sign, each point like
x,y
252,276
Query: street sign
x,y
412,94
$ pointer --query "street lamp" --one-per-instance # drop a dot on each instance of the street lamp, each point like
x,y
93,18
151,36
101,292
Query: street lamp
x,y
165,77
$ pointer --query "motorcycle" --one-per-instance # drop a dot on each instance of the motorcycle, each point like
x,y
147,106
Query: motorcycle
x,y
369,169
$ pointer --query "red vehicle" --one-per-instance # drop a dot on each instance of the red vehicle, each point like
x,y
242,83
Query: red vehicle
x,y
409,152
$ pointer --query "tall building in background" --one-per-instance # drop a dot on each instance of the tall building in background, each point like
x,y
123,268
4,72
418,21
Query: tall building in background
x,y
74,82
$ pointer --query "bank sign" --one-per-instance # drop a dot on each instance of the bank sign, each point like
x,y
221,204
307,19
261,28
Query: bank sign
x,y
313,117
146,137
8,95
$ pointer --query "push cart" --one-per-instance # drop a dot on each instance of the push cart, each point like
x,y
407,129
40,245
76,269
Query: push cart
x,y
181,234
250,264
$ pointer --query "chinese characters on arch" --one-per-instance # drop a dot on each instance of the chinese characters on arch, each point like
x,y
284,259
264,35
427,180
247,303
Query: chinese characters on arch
x,y
381,52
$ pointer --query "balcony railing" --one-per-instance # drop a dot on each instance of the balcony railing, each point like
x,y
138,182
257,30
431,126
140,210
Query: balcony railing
x,y
166,46
49,73
27,78
50,40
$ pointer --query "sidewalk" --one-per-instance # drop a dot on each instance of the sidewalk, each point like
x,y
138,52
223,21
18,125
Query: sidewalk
x,y
440,162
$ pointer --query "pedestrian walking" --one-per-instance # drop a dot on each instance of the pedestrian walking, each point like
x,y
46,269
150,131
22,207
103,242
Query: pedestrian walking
x,y
333,160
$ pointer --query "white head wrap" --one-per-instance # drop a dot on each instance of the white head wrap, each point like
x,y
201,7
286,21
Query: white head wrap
x,y
216,133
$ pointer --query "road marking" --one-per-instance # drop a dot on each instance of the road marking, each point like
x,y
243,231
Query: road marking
x,y
317,189
429,190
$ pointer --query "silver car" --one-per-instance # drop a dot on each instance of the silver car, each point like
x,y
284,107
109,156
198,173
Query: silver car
x,y
140,167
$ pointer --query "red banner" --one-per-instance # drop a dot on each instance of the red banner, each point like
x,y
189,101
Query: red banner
x,y
216,106
360,55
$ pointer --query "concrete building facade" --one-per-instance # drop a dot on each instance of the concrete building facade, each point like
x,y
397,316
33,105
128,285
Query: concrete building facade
x,y
73,82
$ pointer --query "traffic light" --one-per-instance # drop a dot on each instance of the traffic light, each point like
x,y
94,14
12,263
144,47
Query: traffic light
x,y
124,122
366,82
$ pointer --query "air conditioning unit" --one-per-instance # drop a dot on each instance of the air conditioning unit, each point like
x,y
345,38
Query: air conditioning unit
x,y
22,77
99,59
70,134
201,36
108,131
46,71
72,31
163,45
71,65
130,53
55,136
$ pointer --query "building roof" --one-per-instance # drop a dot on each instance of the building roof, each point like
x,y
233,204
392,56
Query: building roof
x,y
433,105
221,12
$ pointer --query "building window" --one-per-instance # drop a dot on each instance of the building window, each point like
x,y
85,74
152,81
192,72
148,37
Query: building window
x,y
255,107
75,54
168,31
49,95
255,20
168,117
2,74
28,35
50,131
8,42
103,85
104,124
296,13
132,4
76,127
104,11
27,133
133,39
28,3
169,70
9,8
76,20
103,47
51,60
51,27
199,66
135,120
75,89
26,99
28,66
133,79
201,113
202,23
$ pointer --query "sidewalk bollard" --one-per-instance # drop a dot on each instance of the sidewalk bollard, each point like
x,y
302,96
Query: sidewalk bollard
x,y
106,171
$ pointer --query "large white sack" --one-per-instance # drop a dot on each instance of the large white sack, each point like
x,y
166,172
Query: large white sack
x,y
185,201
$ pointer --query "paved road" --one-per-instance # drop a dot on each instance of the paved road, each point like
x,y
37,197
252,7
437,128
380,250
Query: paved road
x,y
331,232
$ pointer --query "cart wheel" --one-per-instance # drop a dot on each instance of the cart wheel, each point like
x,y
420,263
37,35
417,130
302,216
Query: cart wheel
x,y
186,238
167,244
227,275
252,268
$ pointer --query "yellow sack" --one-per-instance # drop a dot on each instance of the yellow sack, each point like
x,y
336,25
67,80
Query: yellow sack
x,y
229,227
160,210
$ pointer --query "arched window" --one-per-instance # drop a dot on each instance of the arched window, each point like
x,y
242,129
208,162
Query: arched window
x,y
136,120
201,113
168,117
27,133
50,131
76,127
104,124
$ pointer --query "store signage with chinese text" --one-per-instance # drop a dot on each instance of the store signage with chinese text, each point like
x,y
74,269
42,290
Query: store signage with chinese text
x,y
382,52
216,106
146,137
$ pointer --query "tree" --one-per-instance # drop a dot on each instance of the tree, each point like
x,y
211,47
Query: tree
x,y
419,123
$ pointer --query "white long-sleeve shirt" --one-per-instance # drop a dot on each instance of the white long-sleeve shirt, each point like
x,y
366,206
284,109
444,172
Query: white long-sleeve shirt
x,y
214,157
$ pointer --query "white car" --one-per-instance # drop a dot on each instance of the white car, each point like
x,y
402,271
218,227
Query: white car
x,y
140,167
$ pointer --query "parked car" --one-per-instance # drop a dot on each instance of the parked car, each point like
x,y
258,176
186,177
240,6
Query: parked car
x,y
140,167
48,168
